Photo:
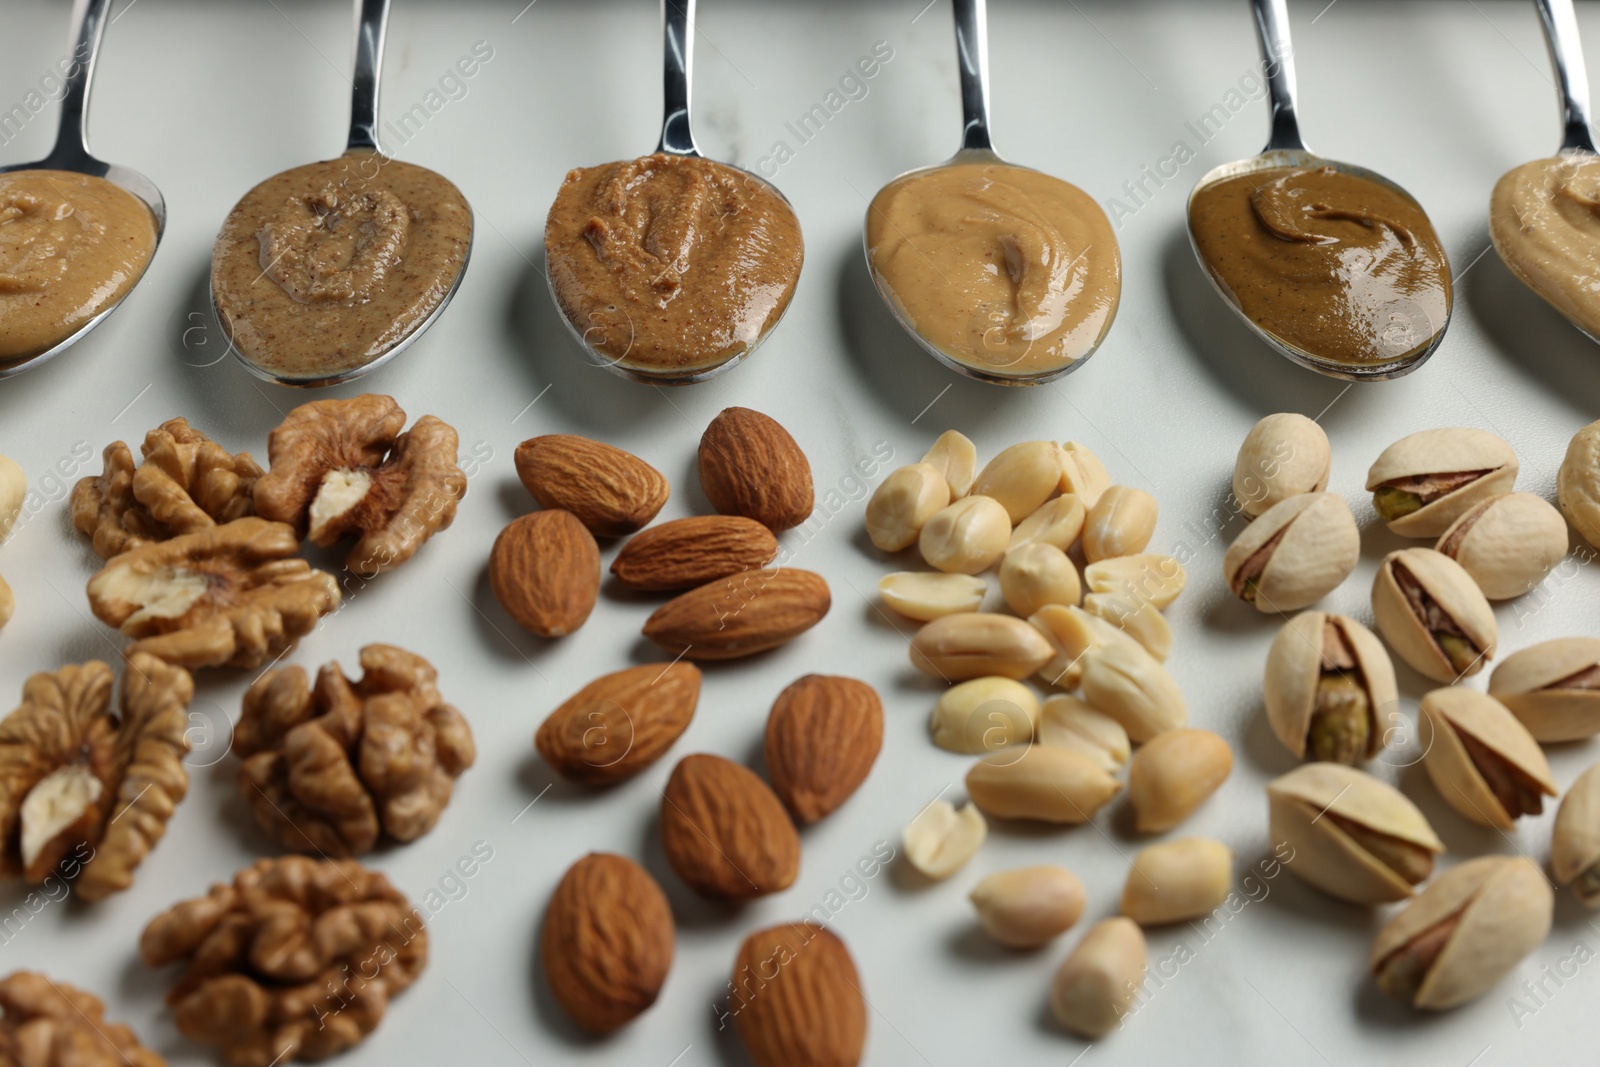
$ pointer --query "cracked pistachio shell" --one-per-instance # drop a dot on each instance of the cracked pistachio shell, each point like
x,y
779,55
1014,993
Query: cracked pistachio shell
x,y
1508,543
1057,522
1575,841
1505,906
1457,595
1445,451
1177,880
1455,710
1040,782
1140,620
1124,681
1318,549
1067,722
1070,632
1283,455
1148,577
956,457
1323,854
1578,483
1097,983
1021,478
1543,685
1082,473
1173,774
1294,667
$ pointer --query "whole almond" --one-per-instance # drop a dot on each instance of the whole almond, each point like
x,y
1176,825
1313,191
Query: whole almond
x,y
741,615
796,998
823,736
725,832
750,466
620,723
612,492
545,571
685,553
607,942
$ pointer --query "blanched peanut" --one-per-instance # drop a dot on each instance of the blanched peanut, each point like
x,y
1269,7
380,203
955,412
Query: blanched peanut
x,y
902,505
1037,574
967,537
956,458
1121,523
940,840
926,596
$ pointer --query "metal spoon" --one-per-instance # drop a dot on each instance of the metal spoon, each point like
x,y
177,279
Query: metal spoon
x,y
372,19
71,153
677,139
1560,24
1285,148
972,59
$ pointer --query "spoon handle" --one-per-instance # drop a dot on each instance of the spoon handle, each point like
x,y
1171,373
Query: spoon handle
x,y
972,56
372,19
677,39
1566,56
71,151
1277,59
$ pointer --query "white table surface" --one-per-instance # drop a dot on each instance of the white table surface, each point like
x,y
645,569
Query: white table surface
x,y
209,98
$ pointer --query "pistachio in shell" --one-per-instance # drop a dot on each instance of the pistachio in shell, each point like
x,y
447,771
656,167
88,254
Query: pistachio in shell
x,y
1433,614
1463,933
1327,686
1295,554
1508,543
1351,835
1283,455
1575,841
1553,688
1424,482
1578,483
1481,759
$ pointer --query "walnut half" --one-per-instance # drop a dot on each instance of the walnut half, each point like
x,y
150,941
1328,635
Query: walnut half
x,y
327,768
84,789
298,958
51,1024
342,468
233,595
187,482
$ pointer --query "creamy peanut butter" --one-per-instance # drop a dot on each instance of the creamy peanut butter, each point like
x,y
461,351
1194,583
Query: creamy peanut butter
x,y
1544,219
1003,269
70,246
671,265
321,269
1338,266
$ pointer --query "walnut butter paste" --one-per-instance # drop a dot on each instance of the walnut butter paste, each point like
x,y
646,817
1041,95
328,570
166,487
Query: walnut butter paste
x,y
70,246
1544,219
1340,267
671,265
322,269
1003,269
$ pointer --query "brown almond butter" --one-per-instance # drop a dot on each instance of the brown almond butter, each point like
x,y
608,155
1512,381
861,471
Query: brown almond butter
x,y
823,736
620,723
607,942
796,999
545,571
612,492
725,832
740,615
750,466
684,553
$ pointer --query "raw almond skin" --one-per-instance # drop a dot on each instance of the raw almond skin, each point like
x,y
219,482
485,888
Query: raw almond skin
x,y
685,553
607,943
545,571
741,615
612,492
823,736
724,832
750,466
796,1000
620,723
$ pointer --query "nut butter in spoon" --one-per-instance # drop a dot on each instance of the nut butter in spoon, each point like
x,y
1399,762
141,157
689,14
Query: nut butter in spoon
x,y
325,272
672,267
1544,216
1334,266
76,233
1001,272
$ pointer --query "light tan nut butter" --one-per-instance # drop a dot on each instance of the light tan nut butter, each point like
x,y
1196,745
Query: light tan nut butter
x,y
1543,222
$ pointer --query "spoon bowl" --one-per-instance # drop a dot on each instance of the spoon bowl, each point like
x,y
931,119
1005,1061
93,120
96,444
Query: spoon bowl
x,y
1286,148
71,153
